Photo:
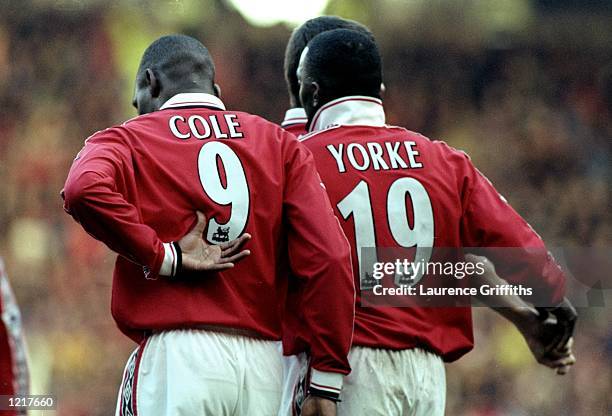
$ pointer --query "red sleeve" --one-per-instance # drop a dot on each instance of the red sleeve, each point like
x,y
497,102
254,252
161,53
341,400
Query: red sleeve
x,y
95,196
490,222
320,255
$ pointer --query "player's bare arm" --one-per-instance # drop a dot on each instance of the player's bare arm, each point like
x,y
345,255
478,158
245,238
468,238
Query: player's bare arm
x,y
550,340
318,406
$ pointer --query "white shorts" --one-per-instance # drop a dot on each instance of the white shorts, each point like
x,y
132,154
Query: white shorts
x,y
198,372
382,383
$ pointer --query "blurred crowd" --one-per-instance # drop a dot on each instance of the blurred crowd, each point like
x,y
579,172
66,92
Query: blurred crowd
x,y
536,120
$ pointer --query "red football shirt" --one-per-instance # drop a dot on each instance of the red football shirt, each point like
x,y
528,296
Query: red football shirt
x,y
13,366
370,171
136,187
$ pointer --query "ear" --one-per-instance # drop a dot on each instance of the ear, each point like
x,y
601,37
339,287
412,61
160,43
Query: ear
x,y
217,90
153,82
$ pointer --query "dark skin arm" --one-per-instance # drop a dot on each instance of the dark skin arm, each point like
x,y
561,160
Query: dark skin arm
x,y
540,335
318,406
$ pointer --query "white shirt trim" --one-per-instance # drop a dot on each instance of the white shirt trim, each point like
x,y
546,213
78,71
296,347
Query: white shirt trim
x,y
189,99
168,267
324,380
294,116
354,110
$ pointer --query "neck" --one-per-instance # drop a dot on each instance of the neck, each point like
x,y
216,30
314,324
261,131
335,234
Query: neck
x,y
171,92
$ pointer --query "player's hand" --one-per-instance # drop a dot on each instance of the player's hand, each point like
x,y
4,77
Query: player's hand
x,y
547,331
565,316
547,340
198,256
318,406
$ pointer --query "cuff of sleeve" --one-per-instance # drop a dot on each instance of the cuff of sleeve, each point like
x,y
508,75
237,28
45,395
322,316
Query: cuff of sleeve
x,y
168,267
294,116
326,382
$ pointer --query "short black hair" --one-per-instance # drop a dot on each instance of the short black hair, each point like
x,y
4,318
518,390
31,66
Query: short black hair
x,y
179,57
345,62
304,34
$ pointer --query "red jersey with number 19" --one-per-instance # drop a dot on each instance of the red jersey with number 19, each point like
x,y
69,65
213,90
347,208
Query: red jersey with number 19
x,y
391,187
136,187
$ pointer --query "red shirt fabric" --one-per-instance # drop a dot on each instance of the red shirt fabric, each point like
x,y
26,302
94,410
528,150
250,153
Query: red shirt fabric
x,y
7,377
136,188
370,170
13,365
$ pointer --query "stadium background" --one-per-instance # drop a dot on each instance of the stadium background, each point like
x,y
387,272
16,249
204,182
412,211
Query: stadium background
x,y
523,86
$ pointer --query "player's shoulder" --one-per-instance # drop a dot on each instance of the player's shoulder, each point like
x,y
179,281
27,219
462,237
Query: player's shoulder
x,y
256,121
139,121
264,130
126,126
116,133
331,130
434,145
444,156
405,133
451,153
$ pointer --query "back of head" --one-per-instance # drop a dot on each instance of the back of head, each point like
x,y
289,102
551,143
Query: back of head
x,y
344,62
302,35
182,61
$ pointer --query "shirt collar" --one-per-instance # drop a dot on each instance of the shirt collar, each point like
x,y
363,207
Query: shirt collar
x,y
295,116
194,99
355,110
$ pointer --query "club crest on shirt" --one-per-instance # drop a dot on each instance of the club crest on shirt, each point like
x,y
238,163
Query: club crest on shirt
x,y
221,235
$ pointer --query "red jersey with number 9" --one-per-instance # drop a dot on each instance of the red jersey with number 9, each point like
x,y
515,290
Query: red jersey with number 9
x,y
136,187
